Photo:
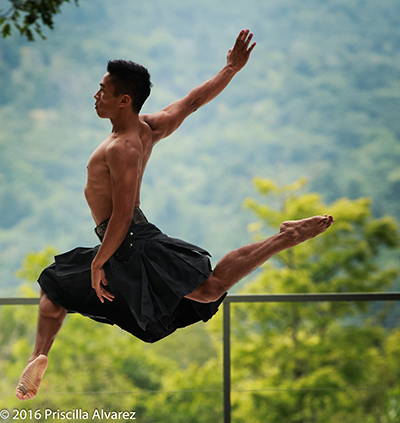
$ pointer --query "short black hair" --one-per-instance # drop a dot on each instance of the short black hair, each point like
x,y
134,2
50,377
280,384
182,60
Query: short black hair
x,y
132,79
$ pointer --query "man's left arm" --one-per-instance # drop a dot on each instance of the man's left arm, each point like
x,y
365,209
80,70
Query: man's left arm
x,y
124,163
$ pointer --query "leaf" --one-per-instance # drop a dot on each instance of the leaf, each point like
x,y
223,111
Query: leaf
x,y
6,30
34,15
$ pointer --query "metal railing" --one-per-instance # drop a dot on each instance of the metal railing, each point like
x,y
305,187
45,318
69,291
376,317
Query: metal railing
x,y
19,301
258,298
279,298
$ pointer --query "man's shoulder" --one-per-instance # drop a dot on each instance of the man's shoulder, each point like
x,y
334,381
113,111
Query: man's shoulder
x,y
148,120
145,118
157,123
124,147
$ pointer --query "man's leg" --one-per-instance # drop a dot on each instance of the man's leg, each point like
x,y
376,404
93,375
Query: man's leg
x,y
239,263
50,320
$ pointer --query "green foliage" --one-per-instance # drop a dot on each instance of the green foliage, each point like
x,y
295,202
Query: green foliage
x,y
324,362
319,97
291,362
34,263
95,366
345,258
98,366
28,17
197,397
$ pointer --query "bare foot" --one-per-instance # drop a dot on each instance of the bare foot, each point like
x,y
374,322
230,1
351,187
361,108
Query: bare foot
x,y
29,384
304,229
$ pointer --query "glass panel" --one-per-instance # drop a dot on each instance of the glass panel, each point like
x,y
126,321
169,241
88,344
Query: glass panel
x,y
96,369
324,362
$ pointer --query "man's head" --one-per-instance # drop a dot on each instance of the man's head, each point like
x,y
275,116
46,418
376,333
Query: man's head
x,y
132,79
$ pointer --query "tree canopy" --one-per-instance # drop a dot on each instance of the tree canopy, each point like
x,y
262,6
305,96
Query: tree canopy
x,y
29,16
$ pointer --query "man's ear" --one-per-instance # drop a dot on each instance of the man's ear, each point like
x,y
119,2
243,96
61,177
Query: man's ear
x,y
125,100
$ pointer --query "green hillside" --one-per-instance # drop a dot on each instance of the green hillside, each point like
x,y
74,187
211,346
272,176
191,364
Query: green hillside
x,y
320,98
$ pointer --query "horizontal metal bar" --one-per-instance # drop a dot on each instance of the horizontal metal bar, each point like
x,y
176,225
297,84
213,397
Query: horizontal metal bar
x,y
267,298
19,301
290,298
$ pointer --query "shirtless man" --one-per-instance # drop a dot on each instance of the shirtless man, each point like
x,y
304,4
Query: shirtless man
x,y
115,172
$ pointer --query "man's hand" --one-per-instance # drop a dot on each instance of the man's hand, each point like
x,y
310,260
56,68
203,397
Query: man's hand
x,y
99,278
239,54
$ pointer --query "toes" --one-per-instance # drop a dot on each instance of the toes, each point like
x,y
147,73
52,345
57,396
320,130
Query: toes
x,y
23,388
328,219
20,395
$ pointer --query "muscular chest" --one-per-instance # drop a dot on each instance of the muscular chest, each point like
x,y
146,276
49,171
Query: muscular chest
x,y
98,172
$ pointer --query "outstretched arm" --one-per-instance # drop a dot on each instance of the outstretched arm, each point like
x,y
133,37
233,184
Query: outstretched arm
x,y
166,121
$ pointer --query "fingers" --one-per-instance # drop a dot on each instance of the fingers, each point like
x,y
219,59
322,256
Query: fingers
x,y
99,293
240,53
99,281
244,38
251,47
103,294
247,41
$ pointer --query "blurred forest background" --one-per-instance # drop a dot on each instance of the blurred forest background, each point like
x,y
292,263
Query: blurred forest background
x,y
319,100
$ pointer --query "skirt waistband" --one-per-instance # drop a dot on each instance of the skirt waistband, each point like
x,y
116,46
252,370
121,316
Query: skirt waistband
x,y
138,217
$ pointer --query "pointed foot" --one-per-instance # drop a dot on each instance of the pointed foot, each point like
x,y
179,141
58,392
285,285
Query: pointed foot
x,y
304,229
31,378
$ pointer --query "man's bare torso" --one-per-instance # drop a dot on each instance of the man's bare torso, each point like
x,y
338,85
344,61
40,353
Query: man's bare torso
x,y
98,189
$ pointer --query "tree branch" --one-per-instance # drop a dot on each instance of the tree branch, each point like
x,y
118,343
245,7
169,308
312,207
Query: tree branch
x,y
30,16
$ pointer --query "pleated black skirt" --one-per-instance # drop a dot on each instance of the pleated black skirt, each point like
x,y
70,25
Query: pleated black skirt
x,y
149,275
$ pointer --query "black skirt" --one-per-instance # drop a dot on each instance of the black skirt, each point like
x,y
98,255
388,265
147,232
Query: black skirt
x,y
149,275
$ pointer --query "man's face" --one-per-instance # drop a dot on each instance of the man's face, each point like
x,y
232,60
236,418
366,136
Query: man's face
x,y
106,104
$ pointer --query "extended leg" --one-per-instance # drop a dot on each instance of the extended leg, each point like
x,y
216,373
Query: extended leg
x,y
50,320
239,263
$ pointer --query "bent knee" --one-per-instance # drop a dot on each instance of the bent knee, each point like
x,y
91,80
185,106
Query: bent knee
x,y
50,309
208,292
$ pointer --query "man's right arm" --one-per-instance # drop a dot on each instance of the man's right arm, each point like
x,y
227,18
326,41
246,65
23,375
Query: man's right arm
x,y
165,122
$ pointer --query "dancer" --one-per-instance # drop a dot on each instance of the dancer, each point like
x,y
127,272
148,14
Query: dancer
x,y
139,278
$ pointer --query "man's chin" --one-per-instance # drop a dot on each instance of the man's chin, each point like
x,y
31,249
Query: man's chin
x,y
99,114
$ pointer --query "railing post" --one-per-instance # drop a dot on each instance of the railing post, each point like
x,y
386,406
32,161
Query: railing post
x,y
227,359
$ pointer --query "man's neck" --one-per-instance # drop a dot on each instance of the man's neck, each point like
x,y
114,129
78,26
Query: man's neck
x,y
125,122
